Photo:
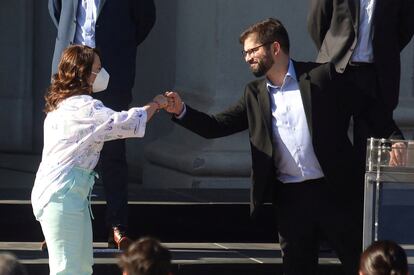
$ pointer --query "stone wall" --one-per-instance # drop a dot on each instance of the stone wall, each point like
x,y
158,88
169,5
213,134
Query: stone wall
x,y
193,48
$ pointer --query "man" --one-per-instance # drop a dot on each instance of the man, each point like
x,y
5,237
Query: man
x,y
115,28
364,38
299,146
364,35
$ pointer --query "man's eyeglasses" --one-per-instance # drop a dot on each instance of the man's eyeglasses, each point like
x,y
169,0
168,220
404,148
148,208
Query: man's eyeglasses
x,y
255,49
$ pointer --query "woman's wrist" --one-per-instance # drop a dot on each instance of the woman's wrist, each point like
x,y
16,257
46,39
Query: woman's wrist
x,y
156,104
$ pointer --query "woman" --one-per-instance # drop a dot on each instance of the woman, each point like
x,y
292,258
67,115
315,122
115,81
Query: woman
x,y
75,128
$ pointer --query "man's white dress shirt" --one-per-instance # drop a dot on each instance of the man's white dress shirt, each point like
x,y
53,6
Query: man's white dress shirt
x,y
363,51
295,159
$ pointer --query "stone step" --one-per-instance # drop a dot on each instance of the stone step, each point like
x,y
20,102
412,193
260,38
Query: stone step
x,y
169,214
169,222
217,258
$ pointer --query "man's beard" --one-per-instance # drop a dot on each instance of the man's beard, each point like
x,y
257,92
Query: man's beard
x,y
263,66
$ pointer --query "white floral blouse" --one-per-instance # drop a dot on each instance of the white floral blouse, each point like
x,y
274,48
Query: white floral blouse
x,y
74,134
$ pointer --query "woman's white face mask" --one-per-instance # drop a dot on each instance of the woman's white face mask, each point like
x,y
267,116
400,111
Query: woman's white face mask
x,y
101,81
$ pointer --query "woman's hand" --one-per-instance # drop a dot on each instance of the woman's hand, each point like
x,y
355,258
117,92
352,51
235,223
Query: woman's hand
x,y
161,100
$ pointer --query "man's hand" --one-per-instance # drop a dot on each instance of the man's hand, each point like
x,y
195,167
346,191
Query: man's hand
x,y
175,104
398,154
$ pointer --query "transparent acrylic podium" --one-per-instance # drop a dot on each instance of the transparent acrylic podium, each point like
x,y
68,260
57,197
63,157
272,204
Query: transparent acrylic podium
x,y
389,193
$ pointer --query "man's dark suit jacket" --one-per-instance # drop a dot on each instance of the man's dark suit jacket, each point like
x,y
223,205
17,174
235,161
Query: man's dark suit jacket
x,y
333,26
121,26
327,121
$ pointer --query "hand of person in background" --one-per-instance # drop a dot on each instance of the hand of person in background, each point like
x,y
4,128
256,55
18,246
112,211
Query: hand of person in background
x,y
175,104
398,154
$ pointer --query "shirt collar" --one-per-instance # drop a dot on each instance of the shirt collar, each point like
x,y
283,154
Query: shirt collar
x,y
291,74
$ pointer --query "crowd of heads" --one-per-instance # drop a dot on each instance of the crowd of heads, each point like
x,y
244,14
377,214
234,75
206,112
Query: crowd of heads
x,y
147,256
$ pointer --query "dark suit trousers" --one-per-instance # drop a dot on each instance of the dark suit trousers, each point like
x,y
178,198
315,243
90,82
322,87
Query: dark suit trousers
x,y
371,119
307,212
113,168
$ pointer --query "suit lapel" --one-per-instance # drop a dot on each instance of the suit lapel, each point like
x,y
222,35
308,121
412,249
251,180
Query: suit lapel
x,y
354,6
264,104
75,7
101,4
305,92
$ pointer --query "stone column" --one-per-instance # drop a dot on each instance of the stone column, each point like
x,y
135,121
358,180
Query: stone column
x,y
209,76
16,75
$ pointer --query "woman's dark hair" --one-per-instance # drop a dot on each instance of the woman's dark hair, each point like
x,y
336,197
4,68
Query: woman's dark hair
x,y
146,257
384,258
268,31
71,79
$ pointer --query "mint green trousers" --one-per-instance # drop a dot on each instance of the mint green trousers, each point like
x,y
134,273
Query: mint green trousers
x,y
66,225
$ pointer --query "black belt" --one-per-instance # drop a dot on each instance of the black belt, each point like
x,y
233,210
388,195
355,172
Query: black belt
x,y
360,64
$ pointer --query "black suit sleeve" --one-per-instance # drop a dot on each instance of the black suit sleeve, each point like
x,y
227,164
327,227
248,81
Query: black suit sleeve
x,y
406,28
55,7
228,122
319,20
144,16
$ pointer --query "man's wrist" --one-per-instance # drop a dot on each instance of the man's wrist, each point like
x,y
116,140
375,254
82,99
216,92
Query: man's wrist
x,y
181,109
182,112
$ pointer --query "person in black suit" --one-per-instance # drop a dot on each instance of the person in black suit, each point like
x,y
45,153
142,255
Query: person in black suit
x,y
115,28
364,35
299,147
364,38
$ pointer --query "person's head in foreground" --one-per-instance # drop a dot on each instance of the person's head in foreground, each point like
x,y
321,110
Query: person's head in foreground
x,y
9,265
383,258
146,256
